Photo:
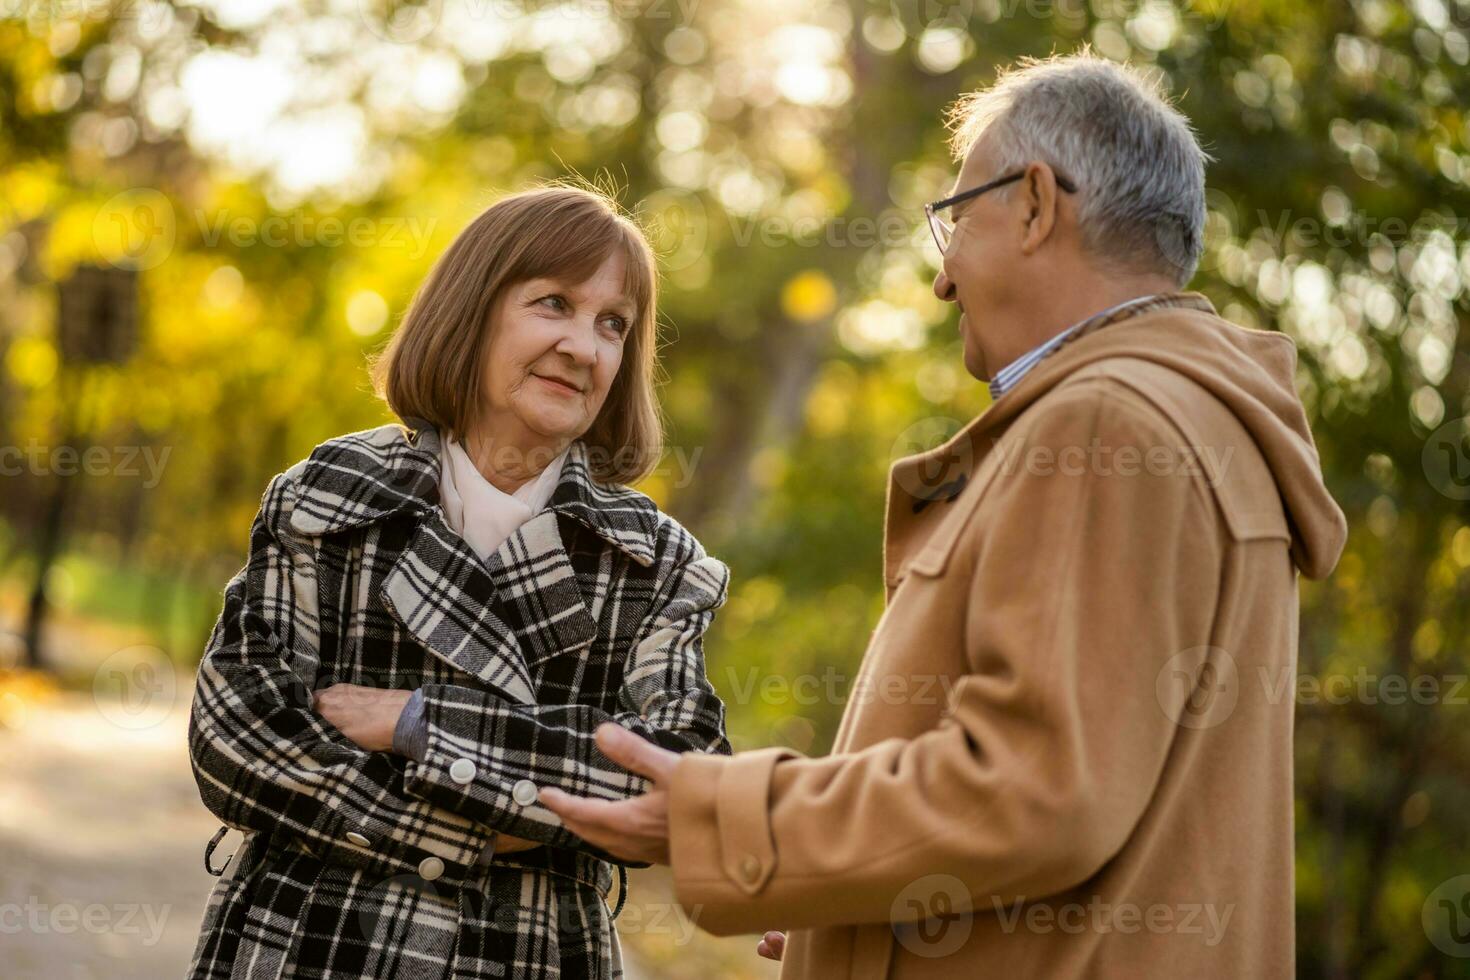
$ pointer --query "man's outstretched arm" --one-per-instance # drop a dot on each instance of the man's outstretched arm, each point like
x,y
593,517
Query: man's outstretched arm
x,y
1054,740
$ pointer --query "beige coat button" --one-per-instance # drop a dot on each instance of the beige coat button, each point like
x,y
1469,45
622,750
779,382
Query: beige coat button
x,y
462,771
358,839
524,792
430,868
750,869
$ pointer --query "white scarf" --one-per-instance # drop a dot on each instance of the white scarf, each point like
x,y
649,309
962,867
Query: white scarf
x,y
483,514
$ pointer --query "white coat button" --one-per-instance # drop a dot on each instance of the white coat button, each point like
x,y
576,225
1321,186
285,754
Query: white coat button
x,y
430,868
524,792
462,771
358,839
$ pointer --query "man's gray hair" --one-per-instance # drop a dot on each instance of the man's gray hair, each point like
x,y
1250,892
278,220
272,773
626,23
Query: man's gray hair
x,y
1139,170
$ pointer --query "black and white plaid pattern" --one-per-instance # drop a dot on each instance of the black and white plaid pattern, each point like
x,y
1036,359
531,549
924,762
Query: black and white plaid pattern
x,y
594,610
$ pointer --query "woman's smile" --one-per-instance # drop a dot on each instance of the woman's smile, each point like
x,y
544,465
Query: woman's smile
x,y
557,385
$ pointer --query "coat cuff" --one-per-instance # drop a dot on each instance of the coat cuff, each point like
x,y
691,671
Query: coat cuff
x,y
720,841
411,734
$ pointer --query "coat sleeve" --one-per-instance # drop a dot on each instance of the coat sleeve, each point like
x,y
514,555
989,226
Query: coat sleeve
x,y
665,696
1079,588
265,761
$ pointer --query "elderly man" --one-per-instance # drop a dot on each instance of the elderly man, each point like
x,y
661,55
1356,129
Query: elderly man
x,y
1099,572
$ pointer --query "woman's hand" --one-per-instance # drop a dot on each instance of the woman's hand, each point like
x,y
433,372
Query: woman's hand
x,y
366,715
772,945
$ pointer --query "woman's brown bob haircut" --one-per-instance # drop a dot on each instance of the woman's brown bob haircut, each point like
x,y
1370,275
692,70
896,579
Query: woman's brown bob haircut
x,y
432,367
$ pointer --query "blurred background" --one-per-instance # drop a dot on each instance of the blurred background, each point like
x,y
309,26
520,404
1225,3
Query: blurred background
x,y
212,213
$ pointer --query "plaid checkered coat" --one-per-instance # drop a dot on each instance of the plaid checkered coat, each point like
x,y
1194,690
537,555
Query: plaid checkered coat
x,y
363,864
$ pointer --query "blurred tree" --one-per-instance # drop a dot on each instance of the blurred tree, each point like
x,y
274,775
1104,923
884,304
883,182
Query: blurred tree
x,y
287,174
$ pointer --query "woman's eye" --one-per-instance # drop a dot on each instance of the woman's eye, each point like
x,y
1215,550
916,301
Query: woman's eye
x,y
618,324
555,301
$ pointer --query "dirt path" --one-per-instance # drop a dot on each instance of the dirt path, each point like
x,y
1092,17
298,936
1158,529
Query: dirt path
x,y
101,837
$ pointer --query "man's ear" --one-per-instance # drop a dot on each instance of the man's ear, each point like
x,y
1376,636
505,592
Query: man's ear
x,y
1038,193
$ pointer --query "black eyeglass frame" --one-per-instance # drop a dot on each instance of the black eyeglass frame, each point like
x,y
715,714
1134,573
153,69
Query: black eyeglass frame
x,y
931,211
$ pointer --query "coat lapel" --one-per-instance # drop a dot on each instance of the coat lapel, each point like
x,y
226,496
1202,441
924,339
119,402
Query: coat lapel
x,y
441,592
535,582
492,619
537,591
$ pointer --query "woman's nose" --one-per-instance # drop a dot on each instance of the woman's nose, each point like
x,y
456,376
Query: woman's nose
x,y
579,342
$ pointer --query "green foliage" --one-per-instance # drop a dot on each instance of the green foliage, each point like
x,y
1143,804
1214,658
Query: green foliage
x,y
762,143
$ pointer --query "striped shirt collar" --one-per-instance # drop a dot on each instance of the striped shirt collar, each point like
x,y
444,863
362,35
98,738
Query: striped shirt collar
x,y
1010,375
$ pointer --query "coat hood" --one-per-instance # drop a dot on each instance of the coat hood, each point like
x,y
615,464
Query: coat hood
x,y
1251,372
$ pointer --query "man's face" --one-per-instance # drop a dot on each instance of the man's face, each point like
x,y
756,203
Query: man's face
x,y
982,255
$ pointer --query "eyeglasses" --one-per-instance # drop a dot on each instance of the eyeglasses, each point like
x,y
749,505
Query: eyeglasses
x,y
943,230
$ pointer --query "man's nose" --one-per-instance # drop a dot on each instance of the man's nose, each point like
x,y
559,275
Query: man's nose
x,y
944,287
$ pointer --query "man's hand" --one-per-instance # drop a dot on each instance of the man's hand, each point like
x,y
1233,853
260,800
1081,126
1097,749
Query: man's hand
x,y
366,715
510,844
636,829
772,945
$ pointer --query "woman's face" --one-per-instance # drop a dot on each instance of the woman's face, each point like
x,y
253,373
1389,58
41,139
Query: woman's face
x,y
554,350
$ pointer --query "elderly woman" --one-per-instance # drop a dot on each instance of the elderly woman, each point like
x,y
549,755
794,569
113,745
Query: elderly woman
x,y
435,616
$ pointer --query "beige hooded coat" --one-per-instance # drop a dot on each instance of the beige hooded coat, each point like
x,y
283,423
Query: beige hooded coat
x,y
1068,751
